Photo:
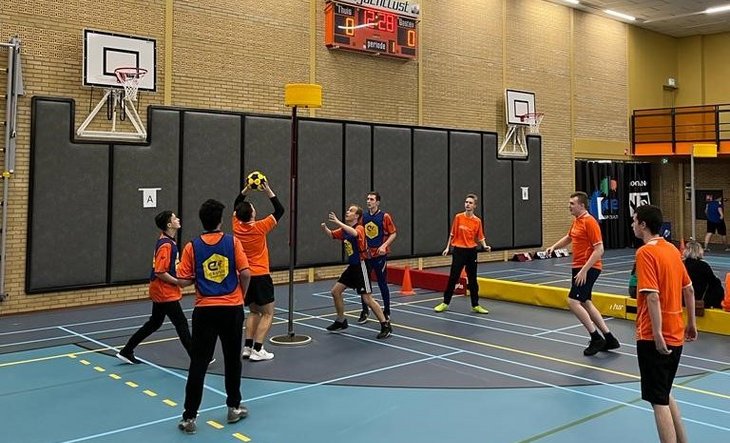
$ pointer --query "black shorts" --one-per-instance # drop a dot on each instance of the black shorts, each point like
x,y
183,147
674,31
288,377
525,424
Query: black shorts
x,y
357,277
583,293
717,228
657,371
260,290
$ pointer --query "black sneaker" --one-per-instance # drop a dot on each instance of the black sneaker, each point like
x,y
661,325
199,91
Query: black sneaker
x,y
337,326
385,331
128,358
594,346
363,317
611,343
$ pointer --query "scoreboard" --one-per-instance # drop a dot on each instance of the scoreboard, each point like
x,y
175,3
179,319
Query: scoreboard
x,y
378,31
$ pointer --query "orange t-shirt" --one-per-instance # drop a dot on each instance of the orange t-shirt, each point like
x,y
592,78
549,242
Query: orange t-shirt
x,y
659,269
466,231
253,238
186,270
585,234
160,291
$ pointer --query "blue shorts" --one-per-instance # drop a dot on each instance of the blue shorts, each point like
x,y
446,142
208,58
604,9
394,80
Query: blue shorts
x,y
583,293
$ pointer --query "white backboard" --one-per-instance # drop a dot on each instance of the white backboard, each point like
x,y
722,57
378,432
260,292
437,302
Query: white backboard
x,y
518,103
104,52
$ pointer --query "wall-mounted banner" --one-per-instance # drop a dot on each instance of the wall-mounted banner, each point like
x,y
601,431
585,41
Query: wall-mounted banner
x,y
615,190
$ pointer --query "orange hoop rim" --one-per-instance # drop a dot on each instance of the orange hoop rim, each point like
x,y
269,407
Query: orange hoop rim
x,y
125,72
530,115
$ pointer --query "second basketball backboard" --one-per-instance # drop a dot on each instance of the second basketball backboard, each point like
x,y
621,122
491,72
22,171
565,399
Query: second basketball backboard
x,y
104,52
518,104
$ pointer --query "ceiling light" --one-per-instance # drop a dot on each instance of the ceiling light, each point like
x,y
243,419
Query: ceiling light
x,y
575,2
717,9
619,15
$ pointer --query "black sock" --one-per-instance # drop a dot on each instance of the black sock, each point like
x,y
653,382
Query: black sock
x,y
595,335
257,346
608,336
248,343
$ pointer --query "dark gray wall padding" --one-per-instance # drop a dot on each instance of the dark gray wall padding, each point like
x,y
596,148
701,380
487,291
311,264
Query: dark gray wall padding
x,y
133,233
392,179
496,195
430,191
266,148
465,165
320,190
528,213
211,161
89,229
68,229
357,180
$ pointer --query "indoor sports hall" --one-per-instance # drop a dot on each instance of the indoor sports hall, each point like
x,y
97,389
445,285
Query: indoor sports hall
x,y
461,131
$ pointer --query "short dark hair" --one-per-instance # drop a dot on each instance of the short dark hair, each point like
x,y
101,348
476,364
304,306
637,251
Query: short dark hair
x,y
582,198
376,194
211,214
162,219
244,211
651,216
358,211
474,196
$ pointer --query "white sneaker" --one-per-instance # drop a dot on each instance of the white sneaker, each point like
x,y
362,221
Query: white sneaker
x,y
246,352
261,355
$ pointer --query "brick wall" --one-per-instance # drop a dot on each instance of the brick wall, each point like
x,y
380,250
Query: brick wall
x,y
237,55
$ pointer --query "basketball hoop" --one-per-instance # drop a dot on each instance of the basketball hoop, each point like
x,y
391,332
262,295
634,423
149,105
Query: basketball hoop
x,y
129,77
533,119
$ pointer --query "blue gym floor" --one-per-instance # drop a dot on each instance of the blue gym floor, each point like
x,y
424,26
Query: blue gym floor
x,y
515,375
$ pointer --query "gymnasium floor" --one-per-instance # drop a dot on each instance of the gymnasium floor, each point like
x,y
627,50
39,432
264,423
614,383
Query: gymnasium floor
x,y
515,375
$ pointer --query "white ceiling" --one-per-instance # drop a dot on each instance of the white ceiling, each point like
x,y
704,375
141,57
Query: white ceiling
x,y
678,18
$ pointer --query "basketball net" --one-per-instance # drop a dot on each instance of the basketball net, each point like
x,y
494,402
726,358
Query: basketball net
x,y
129,78
533,119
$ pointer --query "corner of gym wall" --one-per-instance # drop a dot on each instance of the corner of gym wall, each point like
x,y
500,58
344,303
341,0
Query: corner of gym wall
x,y
652,59
600,98
690,68
716,63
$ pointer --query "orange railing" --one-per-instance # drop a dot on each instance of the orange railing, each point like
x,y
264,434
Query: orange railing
x,y
673,131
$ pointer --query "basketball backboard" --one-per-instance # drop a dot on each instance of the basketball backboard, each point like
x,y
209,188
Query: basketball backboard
x,y
517,104
104,52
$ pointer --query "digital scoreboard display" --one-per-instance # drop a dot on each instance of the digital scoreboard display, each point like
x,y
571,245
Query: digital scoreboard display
x,y
371,30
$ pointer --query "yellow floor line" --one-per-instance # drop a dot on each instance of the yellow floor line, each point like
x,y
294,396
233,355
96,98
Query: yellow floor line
x,y
241,437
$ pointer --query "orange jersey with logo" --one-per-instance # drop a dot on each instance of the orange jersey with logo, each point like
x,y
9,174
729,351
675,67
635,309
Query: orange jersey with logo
x,y
186,271
659,269
160,291
466,231
585,234
253,238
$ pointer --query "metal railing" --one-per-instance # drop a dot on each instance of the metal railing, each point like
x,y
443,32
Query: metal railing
x,y
689,124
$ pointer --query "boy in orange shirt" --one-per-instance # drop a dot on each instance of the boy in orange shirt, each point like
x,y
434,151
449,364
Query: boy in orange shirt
x,y
466,231
260,295
164,290
585,234
662,282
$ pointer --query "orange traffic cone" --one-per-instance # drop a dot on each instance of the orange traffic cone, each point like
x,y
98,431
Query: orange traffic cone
x,y
407,288
726,300
681,246
464,277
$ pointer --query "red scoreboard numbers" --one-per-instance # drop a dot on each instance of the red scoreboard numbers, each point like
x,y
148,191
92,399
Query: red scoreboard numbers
x,y
375,31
